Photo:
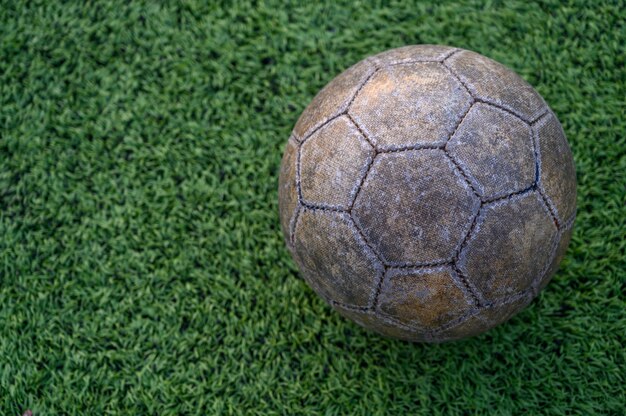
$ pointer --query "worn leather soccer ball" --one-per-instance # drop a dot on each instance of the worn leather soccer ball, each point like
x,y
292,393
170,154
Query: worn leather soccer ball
x,y
427,193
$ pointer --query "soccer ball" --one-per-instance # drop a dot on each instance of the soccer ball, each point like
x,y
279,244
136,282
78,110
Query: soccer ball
x,y
427,193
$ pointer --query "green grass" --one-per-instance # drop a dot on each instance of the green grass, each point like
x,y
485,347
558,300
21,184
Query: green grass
x,y
142,269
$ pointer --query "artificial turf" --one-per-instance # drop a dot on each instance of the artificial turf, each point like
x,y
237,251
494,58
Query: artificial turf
x,y
142,268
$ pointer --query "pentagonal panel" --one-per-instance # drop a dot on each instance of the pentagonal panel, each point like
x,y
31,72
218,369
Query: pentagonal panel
x,y
287,192
332,163
333,99
412,53
334,259
509,246
491,81
414,207
426,298
558,174
409,105
484,319
496,149
386,327
559,254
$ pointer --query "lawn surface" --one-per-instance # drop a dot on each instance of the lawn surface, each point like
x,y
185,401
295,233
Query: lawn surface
x,y
142,268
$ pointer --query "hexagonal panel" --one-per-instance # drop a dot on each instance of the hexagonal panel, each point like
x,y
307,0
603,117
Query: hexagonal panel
x,y
485,319
559,254
557,173
383,326
333,99
493,82
410,105
509,247
414,207
426,298
496,149
412,53
333,258
287,192
332,163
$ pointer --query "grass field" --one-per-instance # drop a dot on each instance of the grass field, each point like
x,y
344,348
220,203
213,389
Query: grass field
x,y
142,268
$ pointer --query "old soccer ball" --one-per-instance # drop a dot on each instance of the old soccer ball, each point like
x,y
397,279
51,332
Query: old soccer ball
x,y
427,193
